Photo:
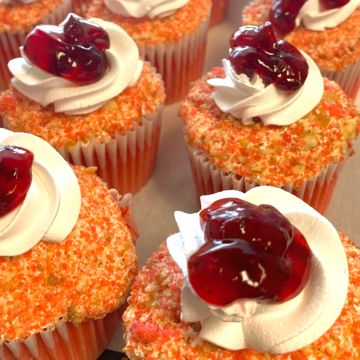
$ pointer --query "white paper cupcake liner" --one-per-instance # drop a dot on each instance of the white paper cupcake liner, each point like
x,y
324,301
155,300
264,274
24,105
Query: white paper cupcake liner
x,y
125,162
65,340
349,79
10,41
218,12
209,179
178,63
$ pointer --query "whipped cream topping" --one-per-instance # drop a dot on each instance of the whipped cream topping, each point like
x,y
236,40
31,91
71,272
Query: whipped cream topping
x,y
52,205
247,323
124,70
140,8
314,17
246,98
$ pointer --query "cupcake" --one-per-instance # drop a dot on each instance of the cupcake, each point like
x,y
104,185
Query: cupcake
x,y
218,11
98,103
67,258
267,117
171,35
259,275
17,18
329,31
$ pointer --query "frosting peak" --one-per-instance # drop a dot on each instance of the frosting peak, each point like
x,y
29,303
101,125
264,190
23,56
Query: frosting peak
x,y
51,207
246,98
124,70
140,8
250,323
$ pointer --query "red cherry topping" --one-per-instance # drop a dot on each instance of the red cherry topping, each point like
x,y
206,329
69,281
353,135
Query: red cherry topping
x,y
251,252
256,50
15,176
74,51
333,4
283,13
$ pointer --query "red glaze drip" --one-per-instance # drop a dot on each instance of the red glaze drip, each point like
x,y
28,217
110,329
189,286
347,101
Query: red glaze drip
x,y
74,51
333,4
15,176
283,13
251,252
254,49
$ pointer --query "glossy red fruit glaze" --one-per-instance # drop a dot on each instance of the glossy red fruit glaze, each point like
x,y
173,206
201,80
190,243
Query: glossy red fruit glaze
x,y
283,14
274,61
74,51
15,176
251,252
333,4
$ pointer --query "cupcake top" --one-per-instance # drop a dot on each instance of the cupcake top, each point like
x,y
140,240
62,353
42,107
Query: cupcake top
x,y
157,30
253,259
114,102
16,16
329,35
86,275
154,324
77,66
244,140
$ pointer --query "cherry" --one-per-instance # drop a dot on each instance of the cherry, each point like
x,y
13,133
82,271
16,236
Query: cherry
x,y
283,14
256,50
295,70
74,51
15,176
333,4
251,252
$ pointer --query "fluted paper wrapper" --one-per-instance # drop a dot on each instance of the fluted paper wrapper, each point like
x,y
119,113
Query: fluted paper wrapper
x,y
65,341
208,179
218,12
349,79
126,162
10,40
178,63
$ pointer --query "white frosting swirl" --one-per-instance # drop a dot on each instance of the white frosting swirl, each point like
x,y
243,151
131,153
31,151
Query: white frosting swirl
x,y
52,204
314,17
274,328
124,70
246,98
140,8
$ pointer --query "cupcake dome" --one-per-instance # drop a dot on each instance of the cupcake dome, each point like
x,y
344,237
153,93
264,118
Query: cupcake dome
x,y
335,50
154,319
303,157
120,138
16,19
174,44
62,297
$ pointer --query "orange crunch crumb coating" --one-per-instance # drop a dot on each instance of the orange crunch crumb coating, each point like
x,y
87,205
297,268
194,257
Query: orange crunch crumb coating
x,y
333,49
118,115
88,275
154,329
22,17
271,155
146,31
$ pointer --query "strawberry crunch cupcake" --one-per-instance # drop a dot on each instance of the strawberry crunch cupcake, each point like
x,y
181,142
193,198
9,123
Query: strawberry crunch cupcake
x,y
268,118
17,18
67,258
327,30
170,34
259,275
90,96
